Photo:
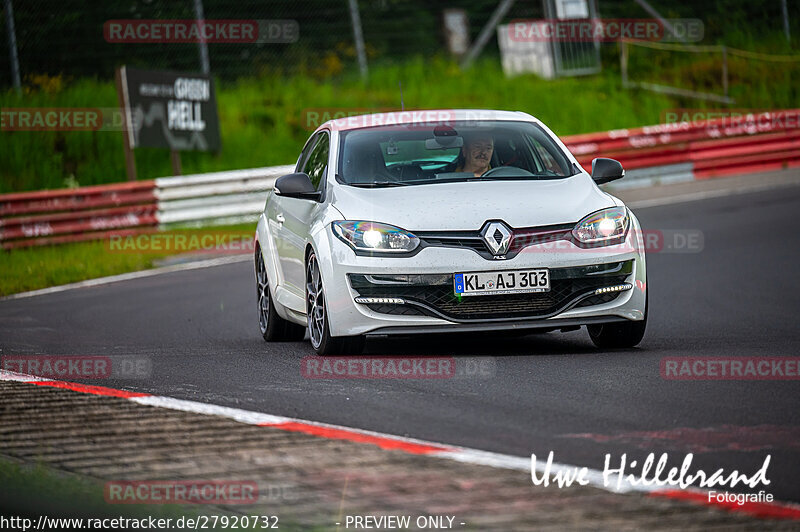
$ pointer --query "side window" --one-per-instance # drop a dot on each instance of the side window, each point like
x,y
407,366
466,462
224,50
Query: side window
x,y
317,162
304,154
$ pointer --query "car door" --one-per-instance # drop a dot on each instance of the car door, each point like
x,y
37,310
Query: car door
x,y
294,215
276,206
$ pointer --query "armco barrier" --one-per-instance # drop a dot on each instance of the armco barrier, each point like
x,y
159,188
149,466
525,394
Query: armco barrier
x,y
71,215
762,142
88,213
652,155
221,197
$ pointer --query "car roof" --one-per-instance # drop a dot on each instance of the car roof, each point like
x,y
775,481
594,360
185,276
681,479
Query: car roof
x,y
421,116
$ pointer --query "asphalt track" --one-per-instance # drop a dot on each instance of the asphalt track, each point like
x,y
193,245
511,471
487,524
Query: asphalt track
x,y
738,296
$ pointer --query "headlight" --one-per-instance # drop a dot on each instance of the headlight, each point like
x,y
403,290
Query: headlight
x,y
603,227
374,236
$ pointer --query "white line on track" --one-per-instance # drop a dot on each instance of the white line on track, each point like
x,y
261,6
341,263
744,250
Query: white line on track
x,y
706,194
236,414
195,265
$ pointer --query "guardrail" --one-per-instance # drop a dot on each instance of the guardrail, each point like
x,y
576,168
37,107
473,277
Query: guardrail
x,y
90,213
222,197
697,150
73,215
651,155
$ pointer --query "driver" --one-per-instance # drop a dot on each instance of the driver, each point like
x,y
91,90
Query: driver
x,y
476,154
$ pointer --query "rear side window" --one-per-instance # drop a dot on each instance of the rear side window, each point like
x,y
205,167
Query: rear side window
x,y
317,162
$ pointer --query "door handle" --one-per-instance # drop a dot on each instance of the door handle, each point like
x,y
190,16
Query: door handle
x,y
279,218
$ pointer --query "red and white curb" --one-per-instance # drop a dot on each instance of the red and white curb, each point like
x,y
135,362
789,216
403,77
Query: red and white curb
x,y
775,510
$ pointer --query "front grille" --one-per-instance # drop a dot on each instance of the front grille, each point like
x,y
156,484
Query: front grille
x,y
456,241
520,238
434,296
598,299
398,310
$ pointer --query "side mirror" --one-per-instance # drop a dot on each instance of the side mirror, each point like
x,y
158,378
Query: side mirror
x,y
605,170
296,186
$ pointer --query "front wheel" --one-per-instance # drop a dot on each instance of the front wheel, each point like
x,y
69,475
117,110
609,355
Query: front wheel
x,y
317,313
619,335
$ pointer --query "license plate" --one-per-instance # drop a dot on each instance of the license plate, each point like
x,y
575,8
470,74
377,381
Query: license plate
x,y
506,282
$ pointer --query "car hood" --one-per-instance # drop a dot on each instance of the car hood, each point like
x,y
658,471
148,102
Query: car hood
x,y
468,205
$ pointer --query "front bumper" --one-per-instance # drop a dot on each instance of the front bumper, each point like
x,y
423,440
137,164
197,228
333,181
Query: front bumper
x,y
433,295
431,306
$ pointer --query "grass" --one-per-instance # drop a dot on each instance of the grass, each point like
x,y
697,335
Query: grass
x,y
29,491
41,267
263,122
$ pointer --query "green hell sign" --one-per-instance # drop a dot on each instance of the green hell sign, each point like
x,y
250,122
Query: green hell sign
x,y
174,110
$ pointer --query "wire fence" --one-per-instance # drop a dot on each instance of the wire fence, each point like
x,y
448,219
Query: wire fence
x,y
716,70
67,36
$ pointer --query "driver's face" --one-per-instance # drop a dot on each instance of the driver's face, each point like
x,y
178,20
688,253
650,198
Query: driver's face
x,y
478,153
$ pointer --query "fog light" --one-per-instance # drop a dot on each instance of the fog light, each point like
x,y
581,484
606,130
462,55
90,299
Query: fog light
x,y
380,300
616,288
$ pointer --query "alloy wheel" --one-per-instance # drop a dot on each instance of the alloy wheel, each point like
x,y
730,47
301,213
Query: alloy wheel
x,y
315,302
262,292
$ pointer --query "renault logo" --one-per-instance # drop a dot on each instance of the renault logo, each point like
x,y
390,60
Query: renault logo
x,y
497,237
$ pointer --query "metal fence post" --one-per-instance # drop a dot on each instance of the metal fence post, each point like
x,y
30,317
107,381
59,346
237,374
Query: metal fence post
x,y
127,123
785,11
656,15
12,46
623,62
355,18
725,70
202,45
499,12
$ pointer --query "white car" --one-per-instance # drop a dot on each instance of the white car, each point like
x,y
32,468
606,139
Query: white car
x,y
446,221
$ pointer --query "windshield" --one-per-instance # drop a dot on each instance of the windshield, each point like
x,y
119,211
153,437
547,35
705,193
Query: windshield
x,y
416,154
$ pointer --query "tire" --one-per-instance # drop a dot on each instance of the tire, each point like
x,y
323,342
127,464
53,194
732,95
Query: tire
x,y
317,315
619,335
273,327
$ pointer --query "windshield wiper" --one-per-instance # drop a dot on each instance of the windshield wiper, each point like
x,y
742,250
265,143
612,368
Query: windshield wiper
x,y
379,184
